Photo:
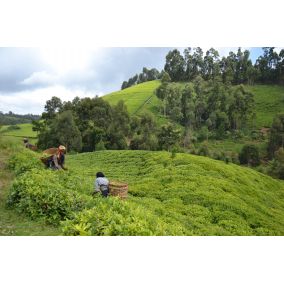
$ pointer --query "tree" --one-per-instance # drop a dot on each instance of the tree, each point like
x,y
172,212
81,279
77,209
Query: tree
x,y
62,130
276,138
175,65
277,167
211,68
188,106
67,132
144,128
162,93
51,107
165,77
124,85
249,155
168,136
38,125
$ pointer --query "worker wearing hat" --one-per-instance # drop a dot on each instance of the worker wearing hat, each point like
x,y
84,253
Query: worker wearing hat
x,y
56,159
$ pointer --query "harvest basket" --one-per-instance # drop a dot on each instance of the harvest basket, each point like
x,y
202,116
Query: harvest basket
x,y
119,189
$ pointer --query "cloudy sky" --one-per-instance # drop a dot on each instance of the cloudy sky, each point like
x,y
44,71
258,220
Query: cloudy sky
x,y
30,76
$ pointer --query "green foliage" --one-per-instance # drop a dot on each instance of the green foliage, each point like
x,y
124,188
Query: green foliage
x,y
276,138
43,194
198,194
13,127
169,194
146,75
100,146
250,155
277,167
111,217
24,130
168,136
24,160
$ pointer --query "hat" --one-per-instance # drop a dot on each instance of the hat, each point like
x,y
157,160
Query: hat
x,y
61,147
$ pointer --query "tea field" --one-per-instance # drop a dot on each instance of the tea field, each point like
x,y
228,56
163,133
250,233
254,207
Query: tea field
x,y
169,194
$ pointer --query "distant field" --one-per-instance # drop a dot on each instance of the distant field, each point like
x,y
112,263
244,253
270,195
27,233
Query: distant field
x,y
24,131
18,134
138,97
269,101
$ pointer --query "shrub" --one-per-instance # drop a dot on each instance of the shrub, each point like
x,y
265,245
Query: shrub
x,y
24,160
249,155
203,150
40,194
277,167
112,217
13,127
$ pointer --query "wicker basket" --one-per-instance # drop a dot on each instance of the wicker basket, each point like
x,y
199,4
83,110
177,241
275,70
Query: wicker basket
x,y
119,189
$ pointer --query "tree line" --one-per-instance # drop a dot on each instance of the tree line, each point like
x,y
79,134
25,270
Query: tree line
x,y
236,68
92,124
11,118
207,105
144,76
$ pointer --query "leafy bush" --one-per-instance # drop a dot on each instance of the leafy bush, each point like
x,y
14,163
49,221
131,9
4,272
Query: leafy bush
x,y
24,160
41,194
249,155
13,127
112,217
277,167
204,150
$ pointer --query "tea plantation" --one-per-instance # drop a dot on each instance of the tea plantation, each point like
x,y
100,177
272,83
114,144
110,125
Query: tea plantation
x,y
169,194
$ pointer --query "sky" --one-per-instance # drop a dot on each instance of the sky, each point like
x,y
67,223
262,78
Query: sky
x,y
31,76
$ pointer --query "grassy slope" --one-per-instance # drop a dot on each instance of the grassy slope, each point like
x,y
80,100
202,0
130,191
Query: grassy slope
x,y
11,222
204,196
269,101
136,96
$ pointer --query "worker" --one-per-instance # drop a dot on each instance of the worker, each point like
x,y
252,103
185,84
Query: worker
x,y
28,145
55,158
101,184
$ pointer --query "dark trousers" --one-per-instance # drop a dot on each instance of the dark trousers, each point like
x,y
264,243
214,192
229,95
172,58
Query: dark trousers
x,y
105,193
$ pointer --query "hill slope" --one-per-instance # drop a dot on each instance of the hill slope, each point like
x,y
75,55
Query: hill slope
x,y
17,135
269,100
137,97
202,196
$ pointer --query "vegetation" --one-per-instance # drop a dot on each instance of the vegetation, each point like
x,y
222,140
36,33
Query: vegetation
x,y
170,194
11,118
11,222
146,75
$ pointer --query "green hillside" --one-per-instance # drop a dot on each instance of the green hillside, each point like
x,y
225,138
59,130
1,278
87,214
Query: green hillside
x,y
18,134
138,97
168,195
24,131
269,101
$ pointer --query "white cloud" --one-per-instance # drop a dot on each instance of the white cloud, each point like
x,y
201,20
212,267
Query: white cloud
x,y
34,101
41,77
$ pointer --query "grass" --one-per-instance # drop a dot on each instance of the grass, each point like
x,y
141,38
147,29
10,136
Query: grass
x,y
269,101
136,98
13,223
16,136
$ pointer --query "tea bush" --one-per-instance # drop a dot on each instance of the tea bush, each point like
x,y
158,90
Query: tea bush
x,y
178,194
112,217
42,194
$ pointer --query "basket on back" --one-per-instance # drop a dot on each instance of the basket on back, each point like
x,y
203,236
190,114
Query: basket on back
x,y
119,189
